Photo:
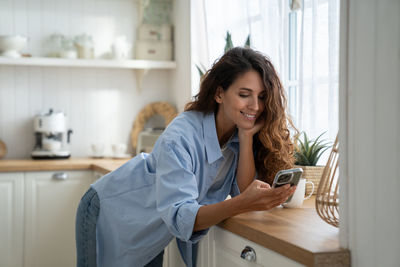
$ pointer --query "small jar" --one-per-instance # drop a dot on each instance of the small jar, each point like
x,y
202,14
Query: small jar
x,y
68,49
85,46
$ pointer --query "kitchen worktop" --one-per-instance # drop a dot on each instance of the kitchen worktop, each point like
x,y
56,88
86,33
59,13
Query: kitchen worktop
x,y
103,165
299,234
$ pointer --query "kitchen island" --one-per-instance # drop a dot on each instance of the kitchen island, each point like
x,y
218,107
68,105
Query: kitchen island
x,y
298,234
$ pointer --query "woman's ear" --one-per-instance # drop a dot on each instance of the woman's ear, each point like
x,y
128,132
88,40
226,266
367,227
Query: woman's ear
x,y
219,95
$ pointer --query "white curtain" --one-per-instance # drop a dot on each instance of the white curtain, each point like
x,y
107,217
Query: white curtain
x,y
264,20
313,90
318,68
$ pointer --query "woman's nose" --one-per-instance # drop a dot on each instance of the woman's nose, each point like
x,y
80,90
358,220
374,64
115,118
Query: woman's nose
x,y
254,105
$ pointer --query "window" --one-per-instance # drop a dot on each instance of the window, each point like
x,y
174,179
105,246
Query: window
x,y
293,82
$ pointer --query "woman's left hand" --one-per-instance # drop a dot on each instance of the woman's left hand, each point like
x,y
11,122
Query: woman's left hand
x,y
248,133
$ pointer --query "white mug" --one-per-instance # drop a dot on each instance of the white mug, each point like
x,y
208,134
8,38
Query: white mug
x,y
298,196
98,150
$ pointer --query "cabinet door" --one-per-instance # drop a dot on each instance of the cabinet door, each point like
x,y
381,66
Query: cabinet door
x,y
11,219
229,246
172,257
51,200
206,250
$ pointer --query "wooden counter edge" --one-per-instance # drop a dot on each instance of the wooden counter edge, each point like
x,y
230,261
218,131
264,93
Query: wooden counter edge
x,y
41,167
100,168
321,259
104,166
332,259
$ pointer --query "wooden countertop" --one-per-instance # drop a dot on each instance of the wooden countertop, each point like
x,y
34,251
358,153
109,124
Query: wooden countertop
x,y
103,165
299,234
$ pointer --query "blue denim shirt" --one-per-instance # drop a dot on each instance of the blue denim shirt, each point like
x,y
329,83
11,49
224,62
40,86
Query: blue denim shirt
x,y
155,197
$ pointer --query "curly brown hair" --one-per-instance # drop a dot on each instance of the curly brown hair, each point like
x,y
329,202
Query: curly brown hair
x,y
273,145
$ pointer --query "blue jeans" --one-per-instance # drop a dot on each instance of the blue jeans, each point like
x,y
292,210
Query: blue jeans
x,y
85,232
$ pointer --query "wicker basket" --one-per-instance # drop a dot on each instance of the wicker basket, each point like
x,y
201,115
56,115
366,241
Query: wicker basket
x,y
313,174
327,199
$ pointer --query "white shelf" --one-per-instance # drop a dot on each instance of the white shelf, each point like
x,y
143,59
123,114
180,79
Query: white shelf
x,y
88,63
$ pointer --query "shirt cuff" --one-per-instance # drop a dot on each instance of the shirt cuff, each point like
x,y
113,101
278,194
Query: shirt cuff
x,y
198,235
186,218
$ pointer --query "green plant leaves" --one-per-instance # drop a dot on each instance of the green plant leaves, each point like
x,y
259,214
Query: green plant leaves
x,y
228,42
201,69
309,151
228,45
247,43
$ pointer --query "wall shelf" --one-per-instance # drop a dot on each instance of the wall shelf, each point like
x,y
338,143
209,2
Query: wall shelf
x,y
88,63
141,67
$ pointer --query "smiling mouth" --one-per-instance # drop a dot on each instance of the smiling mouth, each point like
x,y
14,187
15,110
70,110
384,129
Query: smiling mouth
x,y
249,116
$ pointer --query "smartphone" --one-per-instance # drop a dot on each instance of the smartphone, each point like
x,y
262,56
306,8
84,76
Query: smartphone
x,y
291,176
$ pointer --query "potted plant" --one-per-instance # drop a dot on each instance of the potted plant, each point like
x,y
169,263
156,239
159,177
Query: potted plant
x,y
228,45
307,152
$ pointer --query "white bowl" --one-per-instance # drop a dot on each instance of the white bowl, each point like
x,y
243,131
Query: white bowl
x,y
10,45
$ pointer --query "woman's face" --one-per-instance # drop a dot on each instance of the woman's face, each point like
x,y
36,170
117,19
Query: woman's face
x,y
242,103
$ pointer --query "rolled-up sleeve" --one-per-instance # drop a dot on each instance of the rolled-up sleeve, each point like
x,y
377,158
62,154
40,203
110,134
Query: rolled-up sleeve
x,y
176,190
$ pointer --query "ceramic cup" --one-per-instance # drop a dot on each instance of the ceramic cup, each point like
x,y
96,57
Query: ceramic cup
x,y
118,150
298,196
98,150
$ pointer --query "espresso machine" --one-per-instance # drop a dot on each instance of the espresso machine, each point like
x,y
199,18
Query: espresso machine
x,y
51,136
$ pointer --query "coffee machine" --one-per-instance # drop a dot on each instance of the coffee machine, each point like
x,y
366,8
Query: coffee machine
x,y
51,136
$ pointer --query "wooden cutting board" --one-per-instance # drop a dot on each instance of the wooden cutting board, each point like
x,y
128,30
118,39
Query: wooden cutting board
x,y
3,149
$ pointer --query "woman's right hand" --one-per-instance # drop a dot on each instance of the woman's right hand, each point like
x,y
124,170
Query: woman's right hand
x,y
257,196
260,196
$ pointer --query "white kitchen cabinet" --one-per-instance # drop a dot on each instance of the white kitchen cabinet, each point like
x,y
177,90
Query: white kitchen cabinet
x,y
221,248
11,219
51,200
229,246
172,257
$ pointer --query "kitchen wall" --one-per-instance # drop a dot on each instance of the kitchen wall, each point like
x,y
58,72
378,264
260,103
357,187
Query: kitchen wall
x,y
101,103
38,19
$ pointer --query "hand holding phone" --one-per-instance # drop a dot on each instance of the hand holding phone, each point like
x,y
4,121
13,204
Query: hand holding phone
x,y
291,176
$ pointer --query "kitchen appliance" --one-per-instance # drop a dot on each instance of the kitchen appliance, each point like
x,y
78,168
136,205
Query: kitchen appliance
x,y
147,138
51,136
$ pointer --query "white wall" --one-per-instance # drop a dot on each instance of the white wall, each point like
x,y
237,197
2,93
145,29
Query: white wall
x,y
101,103
182,77
370,131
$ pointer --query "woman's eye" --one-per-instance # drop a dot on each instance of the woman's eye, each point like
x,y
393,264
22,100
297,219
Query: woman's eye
x,y
242,95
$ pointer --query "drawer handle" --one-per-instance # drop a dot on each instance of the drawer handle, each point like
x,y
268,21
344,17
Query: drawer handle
x,y
248,254
60,176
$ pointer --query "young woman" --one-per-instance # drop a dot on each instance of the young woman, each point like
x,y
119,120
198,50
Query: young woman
x,y
234,131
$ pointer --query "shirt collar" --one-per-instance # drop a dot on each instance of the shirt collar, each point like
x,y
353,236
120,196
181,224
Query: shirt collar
x,y
213,150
